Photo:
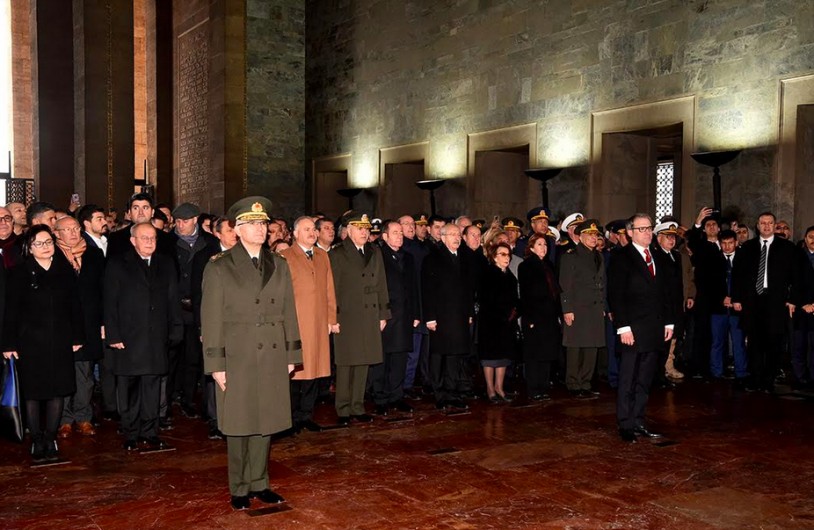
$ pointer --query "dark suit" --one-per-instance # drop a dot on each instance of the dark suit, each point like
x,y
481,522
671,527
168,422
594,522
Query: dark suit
x,y
89,290
642,303
540,311
418,358
143,312
397,336
447,299
706,259
803,356
765,316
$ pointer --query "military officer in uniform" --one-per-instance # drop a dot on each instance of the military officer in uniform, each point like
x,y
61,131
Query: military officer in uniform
x,y
569,239
582,279
513,226
251,343
362,310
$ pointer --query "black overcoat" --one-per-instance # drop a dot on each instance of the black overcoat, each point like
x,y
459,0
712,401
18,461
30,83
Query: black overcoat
x,y
402,288
783,273
90,281
42,327
540,309
142,310
447,299
638,300
497,318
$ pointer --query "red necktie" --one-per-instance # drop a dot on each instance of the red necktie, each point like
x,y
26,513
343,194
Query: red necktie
x,y
649,260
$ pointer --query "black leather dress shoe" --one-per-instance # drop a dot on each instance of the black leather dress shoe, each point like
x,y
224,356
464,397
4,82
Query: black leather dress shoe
x,y
644,433
457,404
267,496
156,443
215,434
362,418
401,406
628,435
189,411
130,445
381,410
241,502
310,425
343,420
111,415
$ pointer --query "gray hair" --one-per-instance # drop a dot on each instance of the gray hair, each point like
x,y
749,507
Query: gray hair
x,y
135,225
629,222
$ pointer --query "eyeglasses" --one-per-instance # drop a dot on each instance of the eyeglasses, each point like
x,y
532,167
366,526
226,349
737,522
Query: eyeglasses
x,y
502,254
6,219
40,244
74,230
642,229
147,239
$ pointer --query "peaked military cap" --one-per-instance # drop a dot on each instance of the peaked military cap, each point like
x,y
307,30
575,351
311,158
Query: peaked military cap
x,y
376,226
574,218
537,213
253,208
511,223
589,226
357,219
553,232
479,223
420,219
668,228
616,226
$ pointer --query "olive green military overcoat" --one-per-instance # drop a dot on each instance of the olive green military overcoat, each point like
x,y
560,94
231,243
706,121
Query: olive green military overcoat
x,y
249,327
582,278
361,302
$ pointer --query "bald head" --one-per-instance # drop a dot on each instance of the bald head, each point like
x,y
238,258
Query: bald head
x,y
68,231
143,238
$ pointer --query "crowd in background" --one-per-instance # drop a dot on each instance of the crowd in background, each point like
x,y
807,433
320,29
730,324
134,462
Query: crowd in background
x,y
103,312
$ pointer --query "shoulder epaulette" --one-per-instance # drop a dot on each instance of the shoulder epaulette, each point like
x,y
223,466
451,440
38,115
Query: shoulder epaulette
x,y
217,256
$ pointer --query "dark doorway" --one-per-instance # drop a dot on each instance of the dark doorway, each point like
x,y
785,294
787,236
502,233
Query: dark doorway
x,y
398,194
643,170
500,187
326,198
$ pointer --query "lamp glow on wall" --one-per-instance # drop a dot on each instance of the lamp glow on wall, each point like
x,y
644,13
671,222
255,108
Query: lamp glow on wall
x,y
716,159
431,185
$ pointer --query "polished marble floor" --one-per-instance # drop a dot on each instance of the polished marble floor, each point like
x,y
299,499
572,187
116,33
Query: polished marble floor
x,y
731,460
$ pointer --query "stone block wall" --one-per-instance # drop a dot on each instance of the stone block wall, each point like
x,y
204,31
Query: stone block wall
x,y
275,102
383,73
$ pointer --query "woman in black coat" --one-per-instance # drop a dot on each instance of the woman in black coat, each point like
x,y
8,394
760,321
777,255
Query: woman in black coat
x,y
540,309
43,328
497,320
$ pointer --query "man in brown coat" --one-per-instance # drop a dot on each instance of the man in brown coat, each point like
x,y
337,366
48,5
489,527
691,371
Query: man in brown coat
x,y
363,307
251,344
315,301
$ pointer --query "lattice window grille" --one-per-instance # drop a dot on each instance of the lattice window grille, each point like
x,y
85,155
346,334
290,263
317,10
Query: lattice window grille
x,y
664,188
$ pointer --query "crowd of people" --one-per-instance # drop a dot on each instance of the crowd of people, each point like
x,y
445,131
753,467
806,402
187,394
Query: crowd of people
x,y
164,310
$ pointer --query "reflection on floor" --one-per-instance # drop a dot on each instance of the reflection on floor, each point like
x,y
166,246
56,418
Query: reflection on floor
x,y
738,461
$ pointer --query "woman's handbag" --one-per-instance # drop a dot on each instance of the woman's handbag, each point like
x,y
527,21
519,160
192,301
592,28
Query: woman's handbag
x,y
11,421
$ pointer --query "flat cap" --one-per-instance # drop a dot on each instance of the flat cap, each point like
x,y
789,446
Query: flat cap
x,y
186,210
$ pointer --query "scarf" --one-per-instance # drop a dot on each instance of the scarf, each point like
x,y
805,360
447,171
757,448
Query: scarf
x,y
190,239
74,254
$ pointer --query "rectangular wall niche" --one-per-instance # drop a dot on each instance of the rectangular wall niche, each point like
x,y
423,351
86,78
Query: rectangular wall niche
x,y
400,168
329,175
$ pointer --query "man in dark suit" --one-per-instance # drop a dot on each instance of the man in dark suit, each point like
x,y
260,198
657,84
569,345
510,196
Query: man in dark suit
x,y
92,219
142,316
418,357
448,310
639,297
186,361
766,278
397,336
702,241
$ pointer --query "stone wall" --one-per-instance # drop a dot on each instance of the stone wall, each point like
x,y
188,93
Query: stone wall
x,y
383,73
275,102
